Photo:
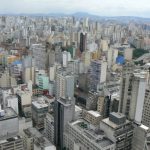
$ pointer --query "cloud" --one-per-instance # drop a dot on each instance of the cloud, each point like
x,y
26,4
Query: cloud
x,y
99,7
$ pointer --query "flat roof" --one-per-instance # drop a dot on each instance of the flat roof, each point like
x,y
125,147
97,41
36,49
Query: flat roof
x,y
97,136
144,127
32,132
118,115
77,108
39,104
10,139
9,113
111,124
94,113
40,140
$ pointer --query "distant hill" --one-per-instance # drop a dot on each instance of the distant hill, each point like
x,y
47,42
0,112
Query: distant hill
x,y
84,15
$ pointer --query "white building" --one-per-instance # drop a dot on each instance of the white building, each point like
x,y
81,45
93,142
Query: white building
x,y
141,138
80,136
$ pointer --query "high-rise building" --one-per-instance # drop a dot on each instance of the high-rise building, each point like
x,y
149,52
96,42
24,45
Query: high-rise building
x,y
43,81
83,37
49,127
64,85
132,94
141,138
146,108
64,107
39,110
97,73
40,55
125,87
103,106
64,110
24,103
128,54
28,69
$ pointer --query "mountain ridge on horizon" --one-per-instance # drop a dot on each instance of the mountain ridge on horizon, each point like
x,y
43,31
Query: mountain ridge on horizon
x,y
76,14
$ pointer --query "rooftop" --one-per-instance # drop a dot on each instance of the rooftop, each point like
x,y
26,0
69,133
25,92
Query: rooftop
x,y
39,104
40,141
9,114
32,132
97,136
10,139
94,113
112,124
144,127
118,115
77,108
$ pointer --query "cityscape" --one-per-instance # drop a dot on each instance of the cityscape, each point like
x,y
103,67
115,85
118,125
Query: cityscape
x,y
74,76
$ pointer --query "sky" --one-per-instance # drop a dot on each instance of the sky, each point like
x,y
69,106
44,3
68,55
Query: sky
x,y
140,8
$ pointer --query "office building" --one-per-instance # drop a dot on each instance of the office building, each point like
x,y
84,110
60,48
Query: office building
x,y
39,111
64,85
24,103
12,101
43,144
40,55
13,143
146,108
141,138
49,127
64,106
64,110
28,69
93,117
119,130
132,96
126,86
9,123
104,45
33,139
103,106
28,74
6,80
83,38
97,73
43,82
81,136
128,54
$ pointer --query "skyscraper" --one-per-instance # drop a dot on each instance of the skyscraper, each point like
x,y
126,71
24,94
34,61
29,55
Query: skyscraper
x,y
64,106
132,95
64,85
83,37
97,73
63,113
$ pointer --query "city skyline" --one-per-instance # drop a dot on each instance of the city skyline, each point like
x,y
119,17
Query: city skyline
x,y
116,7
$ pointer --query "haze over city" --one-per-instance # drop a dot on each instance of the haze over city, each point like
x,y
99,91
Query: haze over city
x,y
97,7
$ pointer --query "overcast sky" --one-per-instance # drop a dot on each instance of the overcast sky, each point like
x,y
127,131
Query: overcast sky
x,y
139,8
